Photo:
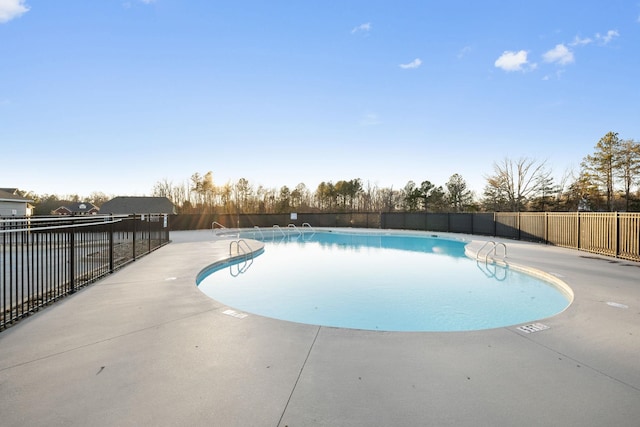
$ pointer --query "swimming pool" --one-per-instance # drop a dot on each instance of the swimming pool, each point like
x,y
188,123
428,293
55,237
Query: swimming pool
x,y
381,281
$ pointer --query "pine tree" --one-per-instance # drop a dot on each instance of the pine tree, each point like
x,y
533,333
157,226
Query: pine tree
x,y
601,166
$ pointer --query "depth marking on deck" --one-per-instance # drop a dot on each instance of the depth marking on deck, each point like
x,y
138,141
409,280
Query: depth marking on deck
x,y
616,304
534,327
234,313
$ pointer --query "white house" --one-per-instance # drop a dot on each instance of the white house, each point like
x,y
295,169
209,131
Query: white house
x,y
13,204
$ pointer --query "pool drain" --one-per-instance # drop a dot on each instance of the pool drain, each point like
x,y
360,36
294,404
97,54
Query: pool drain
x,y
534,327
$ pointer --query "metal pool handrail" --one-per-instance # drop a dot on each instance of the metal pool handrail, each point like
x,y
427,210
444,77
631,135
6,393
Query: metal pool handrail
x,y
295,228
493,249
213,226
247,254
277,227
224,230
255,227
307,225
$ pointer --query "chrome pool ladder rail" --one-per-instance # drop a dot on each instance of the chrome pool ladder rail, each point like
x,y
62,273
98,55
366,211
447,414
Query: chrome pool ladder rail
x,y
293,226
244,253
277,227
492,270
306,225
214,224
256,228
492,250
219,229
240,250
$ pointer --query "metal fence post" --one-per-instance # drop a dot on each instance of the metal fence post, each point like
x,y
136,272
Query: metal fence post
x,y
111,243
616,235
72,259
495,224
546,228
473,220
134,237
578,230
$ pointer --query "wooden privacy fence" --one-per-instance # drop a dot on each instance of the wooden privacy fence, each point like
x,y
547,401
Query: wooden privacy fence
x,y
608,233
612,233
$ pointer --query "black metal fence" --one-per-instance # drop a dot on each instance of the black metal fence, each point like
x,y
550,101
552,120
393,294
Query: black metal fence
x,y
608,233
43,259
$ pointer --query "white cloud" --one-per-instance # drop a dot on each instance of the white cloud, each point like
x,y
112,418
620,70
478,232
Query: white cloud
x,y
413,64
464,51
611,34
559,54
602,39
362,27
130,4
370,119
513,61
577,41
10,9
557,75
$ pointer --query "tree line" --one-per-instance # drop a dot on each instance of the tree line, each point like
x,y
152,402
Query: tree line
x,y
608,180
201,195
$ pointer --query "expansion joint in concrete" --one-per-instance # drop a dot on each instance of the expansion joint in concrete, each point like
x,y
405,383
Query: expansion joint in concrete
x,y
284,411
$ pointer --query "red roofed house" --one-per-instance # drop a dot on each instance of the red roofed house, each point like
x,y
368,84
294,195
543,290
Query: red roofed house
x,y
83,208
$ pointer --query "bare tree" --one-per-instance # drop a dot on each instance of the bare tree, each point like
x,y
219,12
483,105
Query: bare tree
x,y
266,199
562,196
178,194
300,196
163,189
242,190
515,182
98,198
225,197
388,199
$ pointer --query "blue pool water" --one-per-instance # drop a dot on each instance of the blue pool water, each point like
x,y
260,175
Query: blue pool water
x,y
379,282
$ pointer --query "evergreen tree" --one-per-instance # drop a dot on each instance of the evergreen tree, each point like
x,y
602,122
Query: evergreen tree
x,y
628,162
601,167
458,195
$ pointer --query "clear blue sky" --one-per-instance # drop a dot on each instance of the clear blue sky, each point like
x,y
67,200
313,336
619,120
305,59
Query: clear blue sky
x,y
116,95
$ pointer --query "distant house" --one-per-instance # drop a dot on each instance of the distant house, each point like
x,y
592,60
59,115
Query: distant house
x,y
138,205
13,204
83,208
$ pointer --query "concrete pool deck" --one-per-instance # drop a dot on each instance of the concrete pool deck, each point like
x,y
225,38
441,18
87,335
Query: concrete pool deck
x,y
145,347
